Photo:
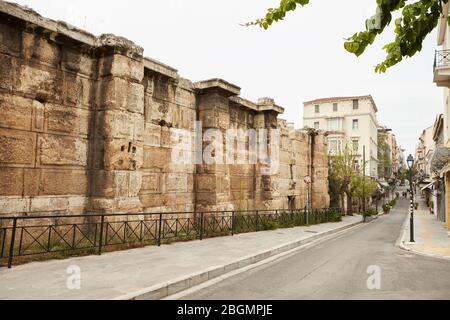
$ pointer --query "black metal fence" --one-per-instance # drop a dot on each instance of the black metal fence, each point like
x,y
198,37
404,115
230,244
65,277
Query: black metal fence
x,y
442,58
63,236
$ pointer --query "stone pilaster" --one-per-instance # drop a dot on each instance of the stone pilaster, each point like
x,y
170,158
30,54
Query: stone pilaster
x,y
119,127
266,170
213,179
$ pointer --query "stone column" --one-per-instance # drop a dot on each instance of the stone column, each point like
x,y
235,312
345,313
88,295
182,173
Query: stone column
x,y
267,186
117,145
213,180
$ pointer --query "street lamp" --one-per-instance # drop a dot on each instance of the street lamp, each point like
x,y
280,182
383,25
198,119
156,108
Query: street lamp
x,y
410,162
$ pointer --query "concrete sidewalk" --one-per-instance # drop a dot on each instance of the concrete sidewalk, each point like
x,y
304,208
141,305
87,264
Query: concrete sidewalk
x,y
432,236
152,272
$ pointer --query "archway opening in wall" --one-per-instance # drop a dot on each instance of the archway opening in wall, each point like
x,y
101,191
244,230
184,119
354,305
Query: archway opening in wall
x,y
291,203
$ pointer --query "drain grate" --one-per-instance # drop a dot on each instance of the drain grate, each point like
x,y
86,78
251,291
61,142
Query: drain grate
x,y
309,231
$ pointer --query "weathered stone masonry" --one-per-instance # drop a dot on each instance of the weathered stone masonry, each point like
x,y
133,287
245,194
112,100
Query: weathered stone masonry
x,y
86,125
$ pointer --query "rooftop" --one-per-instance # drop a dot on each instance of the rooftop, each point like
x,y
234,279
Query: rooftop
x,y
337,99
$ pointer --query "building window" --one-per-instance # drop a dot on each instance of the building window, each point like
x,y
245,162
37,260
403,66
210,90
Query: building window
x,y
355,104
356,165
316,125
335,107
355,125
355,145
334,146
335,124
317,109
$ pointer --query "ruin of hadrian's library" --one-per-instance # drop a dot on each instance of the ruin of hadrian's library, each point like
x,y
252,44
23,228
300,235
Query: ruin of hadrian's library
x,y
90,124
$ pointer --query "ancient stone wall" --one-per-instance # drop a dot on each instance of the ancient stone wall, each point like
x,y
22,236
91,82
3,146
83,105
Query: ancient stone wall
x,y
88,124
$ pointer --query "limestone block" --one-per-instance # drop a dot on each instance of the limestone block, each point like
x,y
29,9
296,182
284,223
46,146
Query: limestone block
x,y
151,183
15,112
241,183
121,66
121,183
152,135
185,98
62,150
13,205
78,204
102,205
31,182
38,116
139,127
102,184
119,94
115,124
121,154
77,90
160,112
17,147
165,137
6,72
43,84
176,182
10,40
11,181
154,200
128,205
208,118
64,182
206,182
135,183
156,158
222,119
207,198
67,120
77,62
41,49
49,204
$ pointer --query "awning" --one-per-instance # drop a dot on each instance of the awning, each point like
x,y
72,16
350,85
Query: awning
x,y
383,184
445,169
428,186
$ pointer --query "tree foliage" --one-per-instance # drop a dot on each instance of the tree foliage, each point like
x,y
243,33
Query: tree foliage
x,y
417,20
384,156
345,179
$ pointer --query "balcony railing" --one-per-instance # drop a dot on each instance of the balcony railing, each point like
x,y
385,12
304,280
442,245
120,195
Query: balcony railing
x,y
442,59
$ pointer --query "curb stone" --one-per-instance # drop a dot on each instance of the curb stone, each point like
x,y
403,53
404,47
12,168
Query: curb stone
x,y
178,285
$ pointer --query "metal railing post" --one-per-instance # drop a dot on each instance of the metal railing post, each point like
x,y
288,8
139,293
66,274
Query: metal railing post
x,y
160,229
100,244
233,222
13,240
257,221
201,225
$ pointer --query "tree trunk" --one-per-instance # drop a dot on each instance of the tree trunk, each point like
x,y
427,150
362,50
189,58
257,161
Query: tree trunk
x,y
349,204
341,196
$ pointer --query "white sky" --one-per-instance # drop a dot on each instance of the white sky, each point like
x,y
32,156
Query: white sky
x,y
297,60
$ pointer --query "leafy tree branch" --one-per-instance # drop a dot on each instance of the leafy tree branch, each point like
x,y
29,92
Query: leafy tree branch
x,y
417,21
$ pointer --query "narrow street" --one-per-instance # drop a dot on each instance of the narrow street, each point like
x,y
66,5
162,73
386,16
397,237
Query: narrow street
x,y
338,270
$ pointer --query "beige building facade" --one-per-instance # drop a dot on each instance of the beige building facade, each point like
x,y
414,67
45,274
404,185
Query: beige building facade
x,y
89,124
348,121
442,79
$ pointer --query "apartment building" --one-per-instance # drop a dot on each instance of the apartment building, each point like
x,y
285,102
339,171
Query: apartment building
x,y
424,152
349,121
442,79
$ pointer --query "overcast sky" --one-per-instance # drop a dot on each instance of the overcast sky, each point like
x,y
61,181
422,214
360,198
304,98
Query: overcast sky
x,y
297,60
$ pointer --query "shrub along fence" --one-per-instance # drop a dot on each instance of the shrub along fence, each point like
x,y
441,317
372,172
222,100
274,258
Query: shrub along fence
x,y
25,239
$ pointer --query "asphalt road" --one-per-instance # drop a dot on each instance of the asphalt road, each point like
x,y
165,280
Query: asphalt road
x,y
339,270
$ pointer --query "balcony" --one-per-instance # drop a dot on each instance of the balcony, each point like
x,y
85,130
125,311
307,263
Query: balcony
x,y
442,68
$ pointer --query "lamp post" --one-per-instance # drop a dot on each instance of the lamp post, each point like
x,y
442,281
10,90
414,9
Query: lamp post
x,y
410,162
